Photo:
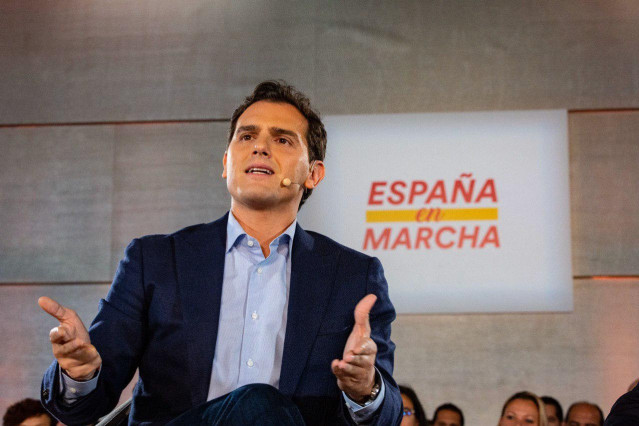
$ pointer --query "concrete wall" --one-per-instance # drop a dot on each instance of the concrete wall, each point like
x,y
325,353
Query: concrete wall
x,y
113,122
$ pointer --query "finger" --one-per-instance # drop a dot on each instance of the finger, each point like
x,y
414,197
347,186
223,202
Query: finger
x,y
344,370
335,366
60,335
365,346
73,348
363,361
52,307
337,372
362,311
76,353
338,368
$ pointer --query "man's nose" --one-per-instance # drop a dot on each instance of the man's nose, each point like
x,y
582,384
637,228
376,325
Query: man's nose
x,y
261,147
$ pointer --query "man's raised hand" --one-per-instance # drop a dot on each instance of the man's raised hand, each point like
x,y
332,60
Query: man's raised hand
x,y
70,342
355,372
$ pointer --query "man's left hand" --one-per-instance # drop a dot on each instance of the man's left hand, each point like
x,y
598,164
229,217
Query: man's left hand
x,y
355,372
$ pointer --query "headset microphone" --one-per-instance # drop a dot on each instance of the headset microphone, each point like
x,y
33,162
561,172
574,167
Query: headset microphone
x,y
286,182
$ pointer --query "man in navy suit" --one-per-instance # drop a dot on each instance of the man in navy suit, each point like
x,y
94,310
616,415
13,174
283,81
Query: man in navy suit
x,y
249,312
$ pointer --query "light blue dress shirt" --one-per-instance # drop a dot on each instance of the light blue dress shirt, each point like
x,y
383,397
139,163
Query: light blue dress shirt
x,y
252,325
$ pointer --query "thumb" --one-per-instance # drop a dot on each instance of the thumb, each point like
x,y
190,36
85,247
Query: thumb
x,y
362,310
53,308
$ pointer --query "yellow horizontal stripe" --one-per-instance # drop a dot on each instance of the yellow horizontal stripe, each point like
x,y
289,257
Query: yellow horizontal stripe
x,y
391,215
470,214
445,215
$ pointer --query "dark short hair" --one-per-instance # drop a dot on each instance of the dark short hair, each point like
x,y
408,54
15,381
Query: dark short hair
x,y
601,415
279,91
450,407
549,400
420,414
22,410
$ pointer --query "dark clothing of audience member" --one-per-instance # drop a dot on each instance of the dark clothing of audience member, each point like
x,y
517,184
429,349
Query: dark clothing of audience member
x,y
626,410
27,409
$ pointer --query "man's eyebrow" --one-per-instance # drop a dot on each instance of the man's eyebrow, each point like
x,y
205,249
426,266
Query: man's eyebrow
x,y
280,131
249,128
272,130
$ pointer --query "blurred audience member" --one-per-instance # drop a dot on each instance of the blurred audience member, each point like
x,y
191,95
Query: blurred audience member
x,y
448,415
414,414
584,413
523,408
554,413
28,412
626,409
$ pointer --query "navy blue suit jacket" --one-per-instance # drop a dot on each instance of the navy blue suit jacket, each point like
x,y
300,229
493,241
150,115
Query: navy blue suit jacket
x,y
161,316
626,410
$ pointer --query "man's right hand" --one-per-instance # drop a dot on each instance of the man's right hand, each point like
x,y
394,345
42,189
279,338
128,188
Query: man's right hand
x,y
70,342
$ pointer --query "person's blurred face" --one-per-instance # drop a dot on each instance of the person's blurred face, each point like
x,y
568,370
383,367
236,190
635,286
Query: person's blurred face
x,y
520,412
41,420
447,418
551,413
409,418
583,415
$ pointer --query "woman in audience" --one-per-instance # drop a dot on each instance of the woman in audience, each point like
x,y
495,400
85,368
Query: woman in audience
x,y
414,414
523,408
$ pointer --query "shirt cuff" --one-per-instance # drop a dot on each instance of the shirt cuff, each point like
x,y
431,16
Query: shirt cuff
x,y
362,413
72,390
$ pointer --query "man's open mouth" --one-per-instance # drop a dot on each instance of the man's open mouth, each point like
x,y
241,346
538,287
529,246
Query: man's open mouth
x,y
258,170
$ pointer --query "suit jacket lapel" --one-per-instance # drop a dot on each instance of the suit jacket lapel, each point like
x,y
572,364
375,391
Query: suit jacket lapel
x,y
312,279
200,273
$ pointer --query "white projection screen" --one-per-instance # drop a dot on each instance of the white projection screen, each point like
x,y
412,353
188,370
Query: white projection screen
x,y
468,212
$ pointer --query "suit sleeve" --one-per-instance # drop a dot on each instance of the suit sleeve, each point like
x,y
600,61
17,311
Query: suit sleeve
x,y
381,316
118,333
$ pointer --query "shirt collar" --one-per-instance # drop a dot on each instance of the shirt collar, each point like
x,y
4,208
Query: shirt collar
x,y
234,232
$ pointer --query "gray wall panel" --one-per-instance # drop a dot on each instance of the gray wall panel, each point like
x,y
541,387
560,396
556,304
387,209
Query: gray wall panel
x,y
604,160
25,352
145,60
165,60
436,56
55,203
167,176
478,361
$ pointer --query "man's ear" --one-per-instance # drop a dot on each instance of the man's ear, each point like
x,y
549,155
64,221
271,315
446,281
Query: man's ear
x,y
316,174
224,164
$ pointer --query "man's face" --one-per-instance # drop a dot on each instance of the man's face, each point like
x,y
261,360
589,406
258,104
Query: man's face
x,y
583,415
447,418
269,145
551,413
